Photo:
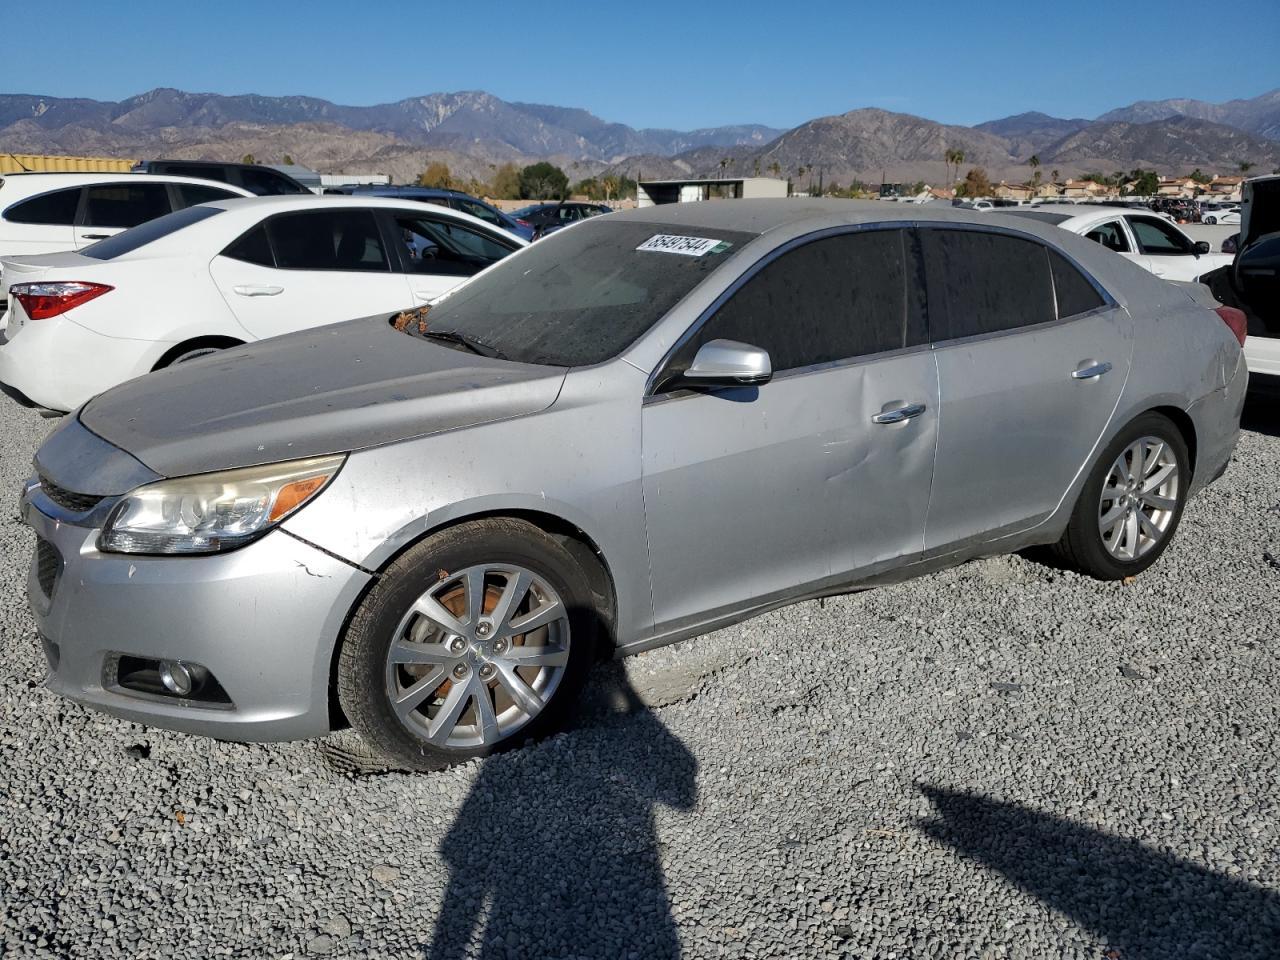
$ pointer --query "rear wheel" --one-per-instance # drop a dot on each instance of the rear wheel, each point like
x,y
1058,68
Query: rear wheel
x,y
1131,504
1211,220
477,639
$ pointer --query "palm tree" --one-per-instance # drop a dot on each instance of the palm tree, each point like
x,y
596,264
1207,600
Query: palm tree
x,y
724,162
1245,166
775,168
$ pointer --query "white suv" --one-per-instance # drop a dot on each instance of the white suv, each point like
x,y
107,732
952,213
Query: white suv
x,y
49,212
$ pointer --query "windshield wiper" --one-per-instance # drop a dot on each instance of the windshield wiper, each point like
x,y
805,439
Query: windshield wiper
x,y
462,340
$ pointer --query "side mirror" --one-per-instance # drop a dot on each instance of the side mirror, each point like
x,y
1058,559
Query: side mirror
x,y
728,363
1202,246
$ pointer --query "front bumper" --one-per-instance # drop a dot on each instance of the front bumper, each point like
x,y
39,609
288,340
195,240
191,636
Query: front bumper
x,y
263,619
58,364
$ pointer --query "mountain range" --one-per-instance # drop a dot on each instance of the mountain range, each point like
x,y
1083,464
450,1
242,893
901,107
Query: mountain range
x,y
474,131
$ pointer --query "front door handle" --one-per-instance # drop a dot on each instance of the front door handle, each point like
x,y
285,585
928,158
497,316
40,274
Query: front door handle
x,y
96,236
1090,370
257,290
900,413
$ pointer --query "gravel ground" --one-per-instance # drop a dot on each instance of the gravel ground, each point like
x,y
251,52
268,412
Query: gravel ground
x,y
1001,760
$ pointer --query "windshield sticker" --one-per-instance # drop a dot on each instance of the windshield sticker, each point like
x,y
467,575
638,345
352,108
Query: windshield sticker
x,y
685,246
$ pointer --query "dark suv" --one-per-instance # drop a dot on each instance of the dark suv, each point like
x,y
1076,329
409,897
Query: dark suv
x,y
264,181
453,199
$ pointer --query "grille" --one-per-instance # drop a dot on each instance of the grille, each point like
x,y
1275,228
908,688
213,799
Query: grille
x,y
67,499
48,565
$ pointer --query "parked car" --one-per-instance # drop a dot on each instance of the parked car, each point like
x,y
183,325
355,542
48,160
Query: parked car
x,y
1228,215
47,212
546,218
1251,281
985,206
1148,240
258,180
454,199
647,427
221,274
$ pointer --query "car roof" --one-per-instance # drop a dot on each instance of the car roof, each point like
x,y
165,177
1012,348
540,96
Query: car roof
x,y
40,181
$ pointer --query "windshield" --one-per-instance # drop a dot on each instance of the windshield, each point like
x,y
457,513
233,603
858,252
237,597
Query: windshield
x,y
148,232
583,295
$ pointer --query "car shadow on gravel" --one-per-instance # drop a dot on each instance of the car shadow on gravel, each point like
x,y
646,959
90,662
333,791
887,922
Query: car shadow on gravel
x,y
555,852
1146,904
1262,406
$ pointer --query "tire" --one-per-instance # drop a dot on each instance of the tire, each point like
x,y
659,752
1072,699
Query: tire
x,y
1111,549
1211,220
468,684
193,354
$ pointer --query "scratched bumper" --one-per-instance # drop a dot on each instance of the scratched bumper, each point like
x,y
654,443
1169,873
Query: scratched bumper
x,y
264,619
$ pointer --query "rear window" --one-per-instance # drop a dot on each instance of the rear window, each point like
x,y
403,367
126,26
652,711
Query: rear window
x,y
51,209
581,296
149,232
1076,295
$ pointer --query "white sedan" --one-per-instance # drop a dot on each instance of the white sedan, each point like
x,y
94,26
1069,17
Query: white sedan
x,y
1227,215
1138,235
221,274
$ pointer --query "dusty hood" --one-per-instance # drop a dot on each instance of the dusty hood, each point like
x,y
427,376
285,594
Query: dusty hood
x,y
333,389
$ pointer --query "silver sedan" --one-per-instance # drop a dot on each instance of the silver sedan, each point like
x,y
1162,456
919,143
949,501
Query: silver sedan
x,y
646,427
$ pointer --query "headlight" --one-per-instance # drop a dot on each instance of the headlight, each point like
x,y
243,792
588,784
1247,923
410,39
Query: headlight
x,y
213,511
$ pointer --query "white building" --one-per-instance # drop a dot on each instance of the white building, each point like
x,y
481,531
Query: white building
x,y
652,192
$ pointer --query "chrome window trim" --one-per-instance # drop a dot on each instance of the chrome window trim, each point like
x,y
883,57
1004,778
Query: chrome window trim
x,y
749,273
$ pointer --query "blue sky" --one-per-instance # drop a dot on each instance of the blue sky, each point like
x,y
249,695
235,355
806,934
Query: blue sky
x,y
656,64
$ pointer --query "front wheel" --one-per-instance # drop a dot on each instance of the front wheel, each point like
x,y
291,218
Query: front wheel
x,y
473,641
1131,504
1210,220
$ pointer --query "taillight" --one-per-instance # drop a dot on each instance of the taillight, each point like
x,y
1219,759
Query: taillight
x,y
41,301
1236,320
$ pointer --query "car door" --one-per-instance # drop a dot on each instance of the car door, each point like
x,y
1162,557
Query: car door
x,y
437,252
1032,357
1115,236
307,268
109,208
1169,252
758,493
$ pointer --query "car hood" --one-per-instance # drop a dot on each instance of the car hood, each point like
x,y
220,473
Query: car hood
x,y
334,389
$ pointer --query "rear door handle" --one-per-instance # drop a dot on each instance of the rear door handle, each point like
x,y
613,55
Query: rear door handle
x,y
257,290
1090,370
900,413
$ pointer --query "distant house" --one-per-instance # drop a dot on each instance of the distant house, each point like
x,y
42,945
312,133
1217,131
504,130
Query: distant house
x,y
1011,191
1224,188
1049,190
941,193
1176,187
1083,189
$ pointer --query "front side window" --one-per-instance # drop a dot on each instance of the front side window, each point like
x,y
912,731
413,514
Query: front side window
x,y
49,209
346,240
1110,235
444,247
269,183
1158,238
581,296
837,298
125,204
190,194
981,283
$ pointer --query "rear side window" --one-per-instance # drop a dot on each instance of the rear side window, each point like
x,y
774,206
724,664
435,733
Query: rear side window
x,y
148,232
1075,294
125,204
189,194
53,209
252,247
984,283
208,172
845,296
345,240
1110,235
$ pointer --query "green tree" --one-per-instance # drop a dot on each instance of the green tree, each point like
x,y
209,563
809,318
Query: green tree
x,y
1142,183
286,159
1246,166
976,184
248,158
543,181
436,175
506,182
1199,176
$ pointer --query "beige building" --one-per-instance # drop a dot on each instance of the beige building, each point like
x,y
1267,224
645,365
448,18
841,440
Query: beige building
x,y
1083,189
1012,191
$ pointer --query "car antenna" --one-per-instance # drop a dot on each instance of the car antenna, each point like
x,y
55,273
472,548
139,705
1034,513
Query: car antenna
x,y
25,168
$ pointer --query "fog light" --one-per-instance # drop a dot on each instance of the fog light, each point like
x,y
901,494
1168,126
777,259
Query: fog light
x,y
176,677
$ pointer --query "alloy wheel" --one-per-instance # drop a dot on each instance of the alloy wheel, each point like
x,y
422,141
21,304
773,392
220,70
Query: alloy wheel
x,y
478,656
1139,499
